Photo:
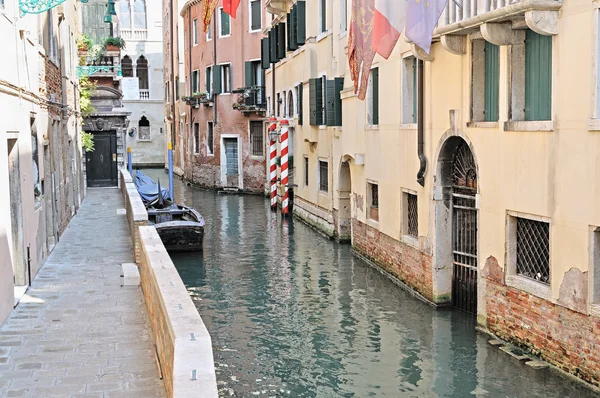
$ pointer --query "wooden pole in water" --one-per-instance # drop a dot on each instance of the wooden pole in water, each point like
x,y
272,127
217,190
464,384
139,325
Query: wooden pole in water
x,y
284,165
129,162
272,165
171,194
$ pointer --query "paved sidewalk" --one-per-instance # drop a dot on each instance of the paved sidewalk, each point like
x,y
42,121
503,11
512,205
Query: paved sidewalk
x,y
78,333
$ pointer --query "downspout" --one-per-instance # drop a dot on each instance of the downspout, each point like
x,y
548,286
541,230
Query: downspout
x,y
213,74
274,101
173,53
420,125
190,74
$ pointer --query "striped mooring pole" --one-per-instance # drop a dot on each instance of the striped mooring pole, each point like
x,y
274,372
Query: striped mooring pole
x,y
272,165
284,166
171,193
129,162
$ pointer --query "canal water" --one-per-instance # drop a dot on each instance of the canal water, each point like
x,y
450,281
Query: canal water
x,y
293,314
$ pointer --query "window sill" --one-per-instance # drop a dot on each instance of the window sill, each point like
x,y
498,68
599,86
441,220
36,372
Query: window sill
x,y
530,286
255,31
410,241
196,154
142,140
225,36
408,126
343,34
373,223
530,125
324,193
323,127
594,124
372,127
483,125
323,35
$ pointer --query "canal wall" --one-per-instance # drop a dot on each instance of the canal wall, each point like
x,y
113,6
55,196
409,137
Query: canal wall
x,y
183,344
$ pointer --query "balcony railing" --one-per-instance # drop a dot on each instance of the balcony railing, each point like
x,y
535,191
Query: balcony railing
x,y
144,94
461,15
251,99
134,34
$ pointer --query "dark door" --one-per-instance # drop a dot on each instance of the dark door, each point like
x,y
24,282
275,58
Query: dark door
x,y
101,164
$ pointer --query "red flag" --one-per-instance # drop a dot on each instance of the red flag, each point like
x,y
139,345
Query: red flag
x,y
360,47
231,6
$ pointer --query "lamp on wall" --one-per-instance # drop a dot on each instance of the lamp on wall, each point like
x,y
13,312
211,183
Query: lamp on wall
x,y
108,18
111,8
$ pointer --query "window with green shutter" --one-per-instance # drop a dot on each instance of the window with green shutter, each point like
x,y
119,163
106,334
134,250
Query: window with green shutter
x,y
208,79
373,98
315,93
492,77
300,103
255,15
281,50
333,104
301,28
415,91
538,76
273,45
225,23
293,28
216,79
249,79
265,53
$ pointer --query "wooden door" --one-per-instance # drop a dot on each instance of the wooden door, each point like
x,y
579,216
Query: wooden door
x,y
101,164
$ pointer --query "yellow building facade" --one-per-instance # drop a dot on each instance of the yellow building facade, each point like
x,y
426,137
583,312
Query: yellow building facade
x,y
505,223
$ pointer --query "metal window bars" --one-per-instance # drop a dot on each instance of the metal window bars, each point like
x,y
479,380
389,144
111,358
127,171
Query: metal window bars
x,y
374,196
323,176
533,249
412,215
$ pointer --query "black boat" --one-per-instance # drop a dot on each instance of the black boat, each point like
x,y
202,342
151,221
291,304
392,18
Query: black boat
x,y
180,228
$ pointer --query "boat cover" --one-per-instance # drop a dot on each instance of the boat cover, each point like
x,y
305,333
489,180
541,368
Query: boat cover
x,y
148,189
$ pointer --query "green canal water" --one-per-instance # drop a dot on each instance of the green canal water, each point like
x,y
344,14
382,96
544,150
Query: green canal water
x,y
293,314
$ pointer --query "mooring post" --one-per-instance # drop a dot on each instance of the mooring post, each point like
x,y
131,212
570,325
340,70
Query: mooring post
x,y
272,165
171,194
129,162
284,166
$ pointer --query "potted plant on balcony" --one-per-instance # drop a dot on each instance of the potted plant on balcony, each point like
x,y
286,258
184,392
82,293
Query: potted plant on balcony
x,y
84,42
114,43
200,96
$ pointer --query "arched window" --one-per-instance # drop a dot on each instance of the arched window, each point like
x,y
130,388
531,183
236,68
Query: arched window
x,y
139,14
124,14
290,104
142,72
144,126
126,67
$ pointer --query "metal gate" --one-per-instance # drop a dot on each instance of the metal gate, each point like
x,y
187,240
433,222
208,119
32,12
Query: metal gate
x,y
464,230
231,157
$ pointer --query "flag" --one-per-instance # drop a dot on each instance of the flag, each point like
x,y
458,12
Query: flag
x,y
421,18
207,12
231,6
389,18
360,47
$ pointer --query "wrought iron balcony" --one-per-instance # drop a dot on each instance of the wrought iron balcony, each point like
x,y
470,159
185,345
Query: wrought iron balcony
x,y
498,18
251,99
198,98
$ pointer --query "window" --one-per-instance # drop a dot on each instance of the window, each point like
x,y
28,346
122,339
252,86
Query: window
x,y
315,91
306,171
255,15
538,76
256,138
290,104
533,249
596,265
37,188
409,90
322,16
411,215
224,23
343,15
209,80
194,31
283,98
485,81
210,30
126,67
139,14
195,81
142,72
373,98
333,101
144,132
196,138
278,104
209,138
299,94
373,193
124,14
323,176
225,78
323,98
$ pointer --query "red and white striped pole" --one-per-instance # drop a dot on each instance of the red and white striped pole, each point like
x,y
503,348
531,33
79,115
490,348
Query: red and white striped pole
x,y
272,165
284,165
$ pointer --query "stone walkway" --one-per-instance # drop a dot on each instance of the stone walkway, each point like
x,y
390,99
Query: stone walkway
x,y
77,332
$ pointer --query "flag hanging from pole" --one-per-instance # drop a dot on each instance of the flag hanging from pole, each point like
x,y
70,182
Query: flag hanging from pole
x,y
389,19
231,6
207,12
421,18
360,45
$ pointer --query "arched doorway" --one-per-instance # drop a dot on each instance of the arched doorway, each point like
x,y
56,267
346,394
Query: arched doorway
x,y
457,222
343,225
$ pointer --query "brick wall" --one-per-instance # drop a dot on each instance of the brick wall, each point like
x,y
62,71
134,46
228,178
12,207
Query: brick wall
x,y
565,338
403,261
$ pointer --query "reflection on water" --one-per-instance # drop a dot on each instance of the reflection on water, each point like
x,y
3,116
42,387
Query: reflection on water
x,y
294,314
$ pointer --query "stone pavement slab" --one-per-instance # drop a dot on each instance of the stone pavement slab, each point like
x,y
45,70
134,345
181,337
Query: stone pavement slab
x,y
77,332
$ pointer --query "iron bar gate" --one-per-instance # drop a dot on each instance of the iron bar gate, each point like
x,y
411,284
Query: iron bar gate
x,y
464,231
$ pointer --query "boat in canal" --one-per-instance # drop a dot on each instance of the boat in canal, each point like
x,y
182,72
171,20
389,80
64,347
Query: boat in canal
x,y
180,227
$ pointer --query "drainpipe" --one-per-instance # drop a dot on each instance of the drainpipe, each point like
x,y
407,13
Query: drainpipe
x,y
191,130
213,74
172,78
421,125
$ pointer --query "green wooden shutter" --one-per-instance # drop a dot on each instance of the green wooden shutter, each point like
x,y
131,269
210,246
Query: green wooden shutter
x,y
256,10
329,102
375,81
294,28
415,91
273,45
288,32
316,101
265,53
300,104
538,76
208,88
281,41
492,76
217,79
249,79
337,105
225,24
301,31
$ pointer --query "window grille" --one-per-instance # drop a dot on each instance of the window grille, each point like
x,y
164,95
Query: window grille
x,y
533,249
196,137
256,138
412,215
305,171
374,196
126,67
209,138
323,176
142,72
